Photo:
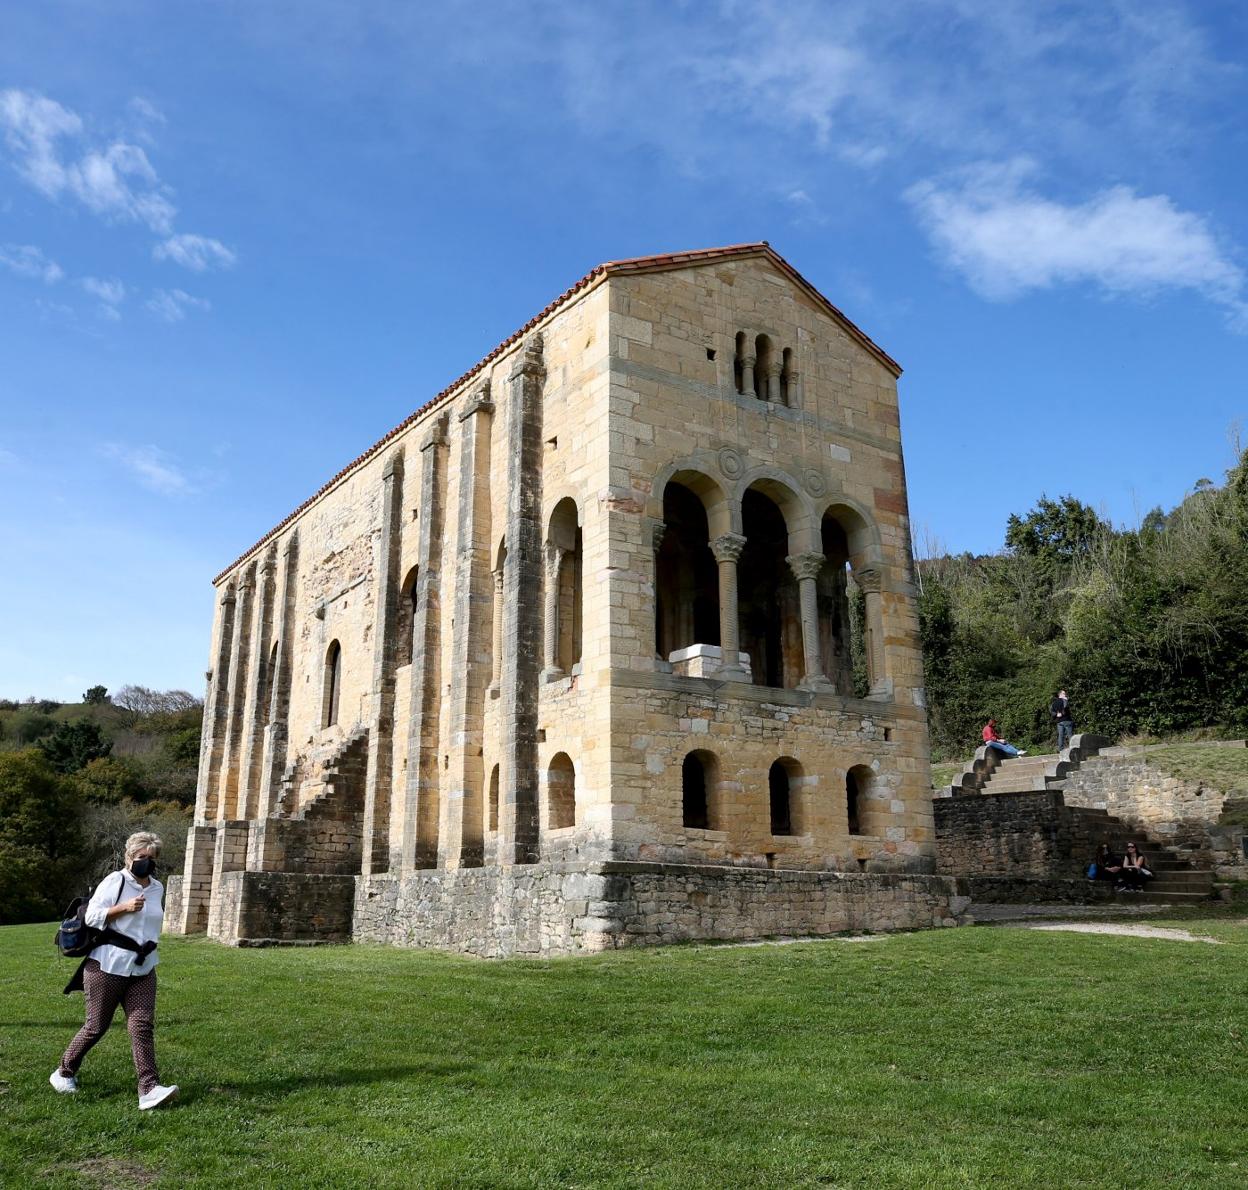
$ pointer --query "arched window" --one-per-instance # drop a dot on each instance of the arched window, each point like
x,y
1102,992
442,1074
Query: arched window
x,y
781,796
405,645
767,596
687,579
333,684
738,363
762,368
835,621
699,790
851,633
565,591
858,783
788,393
270,674
493,809
561,792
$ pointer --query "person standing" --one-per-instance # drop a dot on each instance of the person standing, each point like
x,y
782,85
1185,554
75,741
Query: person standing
x,y
129,906
1059,709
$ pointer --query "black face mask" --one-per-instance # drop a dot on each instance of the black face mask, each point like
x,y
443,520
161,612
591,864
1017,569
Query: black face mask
x,y
143,867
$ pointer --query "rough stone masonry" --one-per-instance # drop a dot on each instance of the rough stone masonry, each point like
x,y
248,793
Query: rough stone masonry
x,y
564,661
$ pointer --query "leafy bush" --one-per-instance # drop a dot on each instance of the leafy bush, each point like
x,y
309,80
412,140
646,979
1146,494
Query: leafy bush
x,y
71,746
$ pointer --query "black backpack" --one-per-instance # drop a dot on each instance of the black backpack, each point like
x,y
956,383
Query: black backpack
x,y
75,939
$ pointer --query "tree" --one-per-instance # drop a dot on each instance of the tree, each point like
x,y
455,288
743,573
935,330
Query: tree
x,y
29,724
109,779
1056,531
41,850
96,696
71,746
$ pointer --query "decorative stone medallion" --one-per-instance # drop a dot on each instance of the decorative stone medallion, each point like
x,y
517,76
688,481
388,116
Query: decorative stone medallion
x,y
813,481
730,462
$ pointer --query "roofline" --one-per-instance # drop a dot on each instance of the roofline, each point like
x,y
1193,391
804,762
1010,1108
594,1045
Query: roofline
x,y
637,264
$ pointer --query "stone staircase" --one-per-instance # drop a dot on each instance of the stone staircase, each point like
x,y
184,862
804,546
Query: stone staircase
x,y
990,773
1175,879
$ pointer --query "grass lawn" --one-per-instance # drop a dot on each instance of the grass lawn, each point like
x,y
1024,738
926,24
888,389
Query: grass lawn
x,y
967,1057
1217,767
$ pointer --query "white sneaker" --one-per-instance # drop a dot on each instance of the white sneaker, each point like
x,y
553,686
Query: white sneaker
x,y
1022,754
64,1084
156,1096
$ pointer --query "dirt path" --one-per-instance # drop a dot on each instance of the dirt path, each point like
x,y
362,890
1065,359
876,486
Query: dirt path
x,y
1130,929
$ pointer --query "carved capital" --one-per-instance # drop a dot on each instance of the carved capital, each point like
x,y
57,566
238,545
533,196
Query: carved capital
x,y
749,361
868,579
435,435
657,529
728,547
554,558
529,360
479,402
499,575
394,465
775,367
805,565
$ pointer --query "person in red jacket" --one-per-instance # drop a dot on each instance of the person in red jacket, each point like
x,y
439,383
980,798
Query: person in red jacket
x,y
994,740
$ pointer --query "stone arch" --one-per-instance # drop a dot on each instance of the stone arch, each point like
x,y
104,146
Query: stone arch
x,y
405,625
331,688
861,796
768,600
786,493
785,779
560,792
686,578
699,790
564,587
850,543
693,474
788,379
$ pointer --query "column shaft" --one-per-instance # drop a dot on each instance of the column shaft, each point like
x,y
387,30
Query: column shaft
x,y
727,550
276,732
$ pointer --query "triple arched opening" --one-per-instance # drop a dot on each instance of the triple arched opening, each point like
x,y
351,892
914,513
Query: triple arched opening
x,y
760,550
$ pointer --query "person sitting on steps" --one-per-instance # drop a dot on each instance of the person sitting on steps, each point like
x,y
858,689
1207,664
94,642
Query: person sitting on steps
x,y
994,740
1108,865
1135,871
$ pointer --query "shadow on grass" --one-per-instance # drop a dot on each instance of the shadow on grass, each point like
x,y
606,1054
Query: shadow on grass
x,y
280,1086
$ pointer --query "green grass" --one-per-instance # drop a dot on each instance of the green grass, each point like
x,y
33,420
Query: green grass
x,y
943,774
1222,768
952,1058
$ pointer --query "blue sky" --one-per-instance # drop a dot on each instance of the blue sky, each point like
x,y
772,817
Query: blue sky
x,y
241,240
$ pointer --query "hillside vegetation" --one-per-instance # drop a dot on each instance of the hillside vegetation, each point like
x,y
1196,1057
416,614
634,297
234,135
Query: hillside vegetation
x,y
76,779
1147,629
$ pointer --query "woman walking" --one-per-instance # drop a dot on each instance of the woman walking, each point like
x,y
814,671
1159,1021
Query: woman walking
x,y
129,905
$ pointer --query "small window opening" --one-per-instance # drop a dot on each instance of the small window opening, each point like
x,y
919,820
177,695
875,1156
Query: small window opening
x,y
561,792
781,810
693,793
494,799
710,353
333,683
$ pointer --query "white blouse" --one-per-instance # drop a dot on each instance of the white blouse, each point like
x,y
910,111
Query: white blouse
x,y
143,926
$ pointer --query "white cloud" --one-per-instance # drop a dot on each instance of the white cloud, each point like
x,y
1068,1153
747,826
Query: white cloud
x,y
26,260
1006,238
115,180
197,253
154,468
171,305
112,291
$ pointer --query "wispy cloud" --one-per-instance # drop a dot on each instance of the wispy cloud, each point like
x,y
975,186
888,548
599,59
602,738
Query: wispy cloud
x,y
26,260
197,253
991,224
171,305
115,180
110,294
152,467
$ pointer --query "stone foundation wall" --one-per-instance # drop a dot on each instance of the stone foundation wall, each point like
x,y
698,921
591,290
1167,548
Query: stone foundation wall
x,y
1009,834
1030,890
259,908
545,909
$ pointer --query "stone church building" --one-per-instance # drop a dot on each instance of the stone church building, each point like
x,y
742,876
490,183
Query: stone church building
x,y
564,661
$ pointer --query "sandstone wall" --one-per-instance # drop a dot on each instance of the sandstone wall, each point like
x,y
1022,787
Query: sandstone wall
x,y
1009,835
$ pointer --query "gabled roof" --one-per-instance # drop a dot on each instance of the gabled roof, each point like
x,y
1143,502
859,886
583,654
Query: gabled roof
x,y
637,264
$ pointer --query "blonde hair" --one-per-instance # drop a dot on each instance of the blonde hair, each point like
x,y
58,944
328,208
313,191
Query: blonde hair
x,y
142,841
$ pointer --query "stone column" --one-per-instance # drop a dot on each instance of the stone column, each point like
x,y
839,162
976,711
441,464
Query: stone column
x,y
216,711
806,568
276,732
795,390
870,582
657,529
747,375
773,382
463,839
240,667
496,632
419,848
518,828
550,621
727,550
379,776
256,710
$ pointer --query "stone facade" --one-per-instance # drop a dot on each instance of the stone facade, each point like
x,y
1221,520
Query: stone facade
x,y
1183,814
589,606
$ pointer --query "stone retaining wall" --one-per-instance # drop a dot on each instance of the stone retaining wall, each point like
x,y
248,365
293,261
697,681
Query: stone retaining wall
x,y
262,908
1008,834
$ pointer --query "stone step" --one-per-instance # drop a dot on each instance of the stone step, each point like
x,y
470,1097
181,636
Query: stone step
x,y
1015,785
1173,898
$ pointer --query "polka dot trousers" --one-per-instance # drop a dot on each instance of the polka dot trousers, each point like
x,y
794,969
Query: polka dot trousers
x,y
137,995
